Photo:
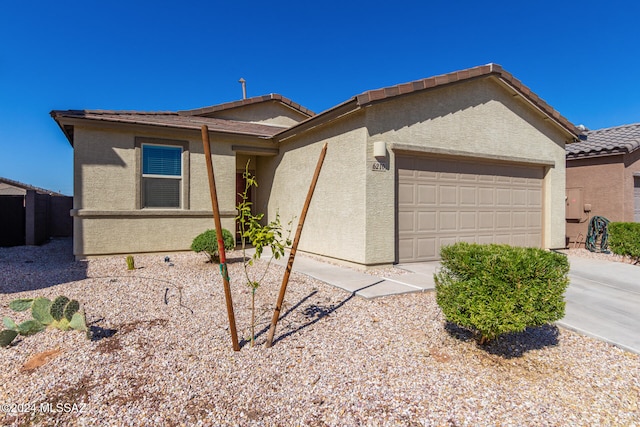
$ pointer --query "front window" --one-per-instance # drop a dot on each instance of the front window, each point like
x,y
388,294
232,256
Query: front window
x,y
161,176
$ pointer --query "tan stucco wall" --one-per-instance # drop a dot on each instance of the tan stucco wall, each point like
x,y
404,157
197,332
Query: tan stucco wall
x,y
106,220
607,185
352,215
272,113
334,226
476,118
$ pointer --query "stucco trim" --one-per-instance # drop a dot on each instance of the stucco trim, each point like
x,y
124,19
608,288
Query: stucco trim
x,y
148,213
255,151
458,153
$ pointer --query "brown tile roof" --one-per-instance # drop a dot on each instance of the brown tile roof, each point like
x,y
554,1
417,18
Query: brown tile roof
x,y
457,76
383,94
608,141
171,120
248,101
29,187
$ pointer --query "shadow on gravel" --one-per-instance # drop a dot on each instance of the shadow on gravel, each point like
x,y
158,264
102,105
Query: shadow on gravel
x,y
313,313
28,268
514,344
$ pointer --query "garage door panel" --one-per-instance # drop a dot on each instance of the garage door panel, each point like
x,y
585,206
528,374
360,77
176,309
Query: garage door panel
x,y
519,219
442,201
534,198
486,220
406,193
448,195
468,220
468,196
503,220
533,220
406,250
427,248
519,240
519,197
427,194
446,241
503,196
427,222
486,196
486,240
406,221
448,221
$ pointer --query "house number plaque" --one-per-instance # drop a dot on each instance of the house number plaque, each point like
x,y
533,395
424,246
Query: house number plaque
x,y
379,167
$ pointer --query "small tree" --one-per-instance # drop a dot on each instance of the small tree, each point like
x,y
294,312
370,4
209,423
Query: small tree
x,y
208,242
259,236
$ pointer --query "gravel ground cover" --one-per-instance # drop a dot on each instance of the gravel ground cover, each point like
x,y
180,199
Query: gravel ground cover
x,y
161,355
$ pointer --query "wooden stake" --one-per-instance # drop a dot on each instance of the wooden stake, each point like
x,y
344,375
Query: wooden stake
x,y
294,248
216,220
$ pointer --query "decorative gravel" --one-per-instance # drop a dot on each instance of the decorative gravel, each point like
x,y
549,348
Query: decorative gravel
x,y
161,355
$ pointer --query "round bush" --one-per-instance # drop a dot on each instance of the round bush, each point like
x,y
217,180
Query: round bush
x,y
208,242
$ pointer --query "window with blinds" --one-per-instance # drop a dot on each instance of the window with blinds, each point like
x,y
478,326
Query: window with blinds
x,y
161,176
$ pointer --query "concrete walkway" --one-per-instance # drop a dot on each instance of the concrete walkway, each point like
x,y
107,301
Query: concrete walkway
x,y
418,279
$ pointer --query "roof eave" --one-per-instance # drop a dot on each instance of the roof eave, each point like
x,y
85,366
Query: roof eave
x,y
67,131
71,121
319,119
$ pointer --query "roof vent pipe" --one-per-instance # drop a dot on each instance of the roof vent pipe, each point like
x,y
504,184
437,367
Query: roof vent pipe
x,y
243,82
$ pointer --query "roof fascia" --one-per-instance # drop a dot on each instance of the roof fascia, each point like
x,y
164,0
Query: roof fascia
x,y
273,97
318,120
149,128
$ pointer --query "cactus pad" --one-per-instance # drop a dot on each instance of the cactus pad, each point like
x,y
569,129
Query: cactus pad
x,y
30,327
40,310
70,309
78,322
21,304
7,336
9,323
57,307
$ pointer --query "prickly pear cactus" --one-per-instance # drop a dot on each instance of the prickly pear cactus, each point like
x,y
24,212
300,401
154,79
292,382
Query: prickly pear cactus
x,y
21,304
70,309
57,307
7,336
41,310
78,322
9,323
30,327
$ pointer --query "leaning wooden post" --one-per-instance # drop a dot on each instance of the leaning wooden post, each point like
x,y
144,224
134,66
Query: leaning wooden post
x,y
294,248
216,220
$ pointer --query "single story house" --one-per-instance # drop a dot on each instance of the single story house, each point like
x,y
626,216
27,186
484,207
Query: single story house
x,y
473,155
603,178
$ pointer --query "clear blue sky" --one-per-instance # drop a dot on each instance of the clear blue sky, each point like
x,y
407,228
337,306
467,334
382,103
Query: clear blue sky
x,y
582,57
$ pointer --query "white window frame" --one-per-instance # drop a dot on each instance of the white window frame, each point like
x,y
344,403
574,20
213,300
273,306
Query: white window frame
x,y
159,176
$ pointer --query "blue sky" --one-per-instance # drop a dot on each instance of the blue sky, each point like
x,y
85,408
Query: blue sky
x,y
582,57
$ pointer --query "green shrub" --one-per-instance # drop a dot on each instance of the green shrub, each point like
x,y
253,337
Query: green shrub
x,y
208,242
624,239
497,289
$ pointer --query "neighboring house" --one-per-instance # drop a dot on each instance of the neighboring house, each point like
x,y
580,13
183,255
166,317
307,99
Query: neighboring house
x,y
603,178
472,155
31,215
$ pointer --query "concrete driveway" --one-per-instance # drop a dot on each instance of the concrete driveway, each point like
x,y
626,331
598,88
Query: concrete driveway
x,y
603,301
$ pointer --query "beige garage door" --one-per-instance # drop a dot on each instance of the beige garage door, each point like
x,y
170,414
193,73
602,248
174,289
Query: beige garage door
x,y
441,202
